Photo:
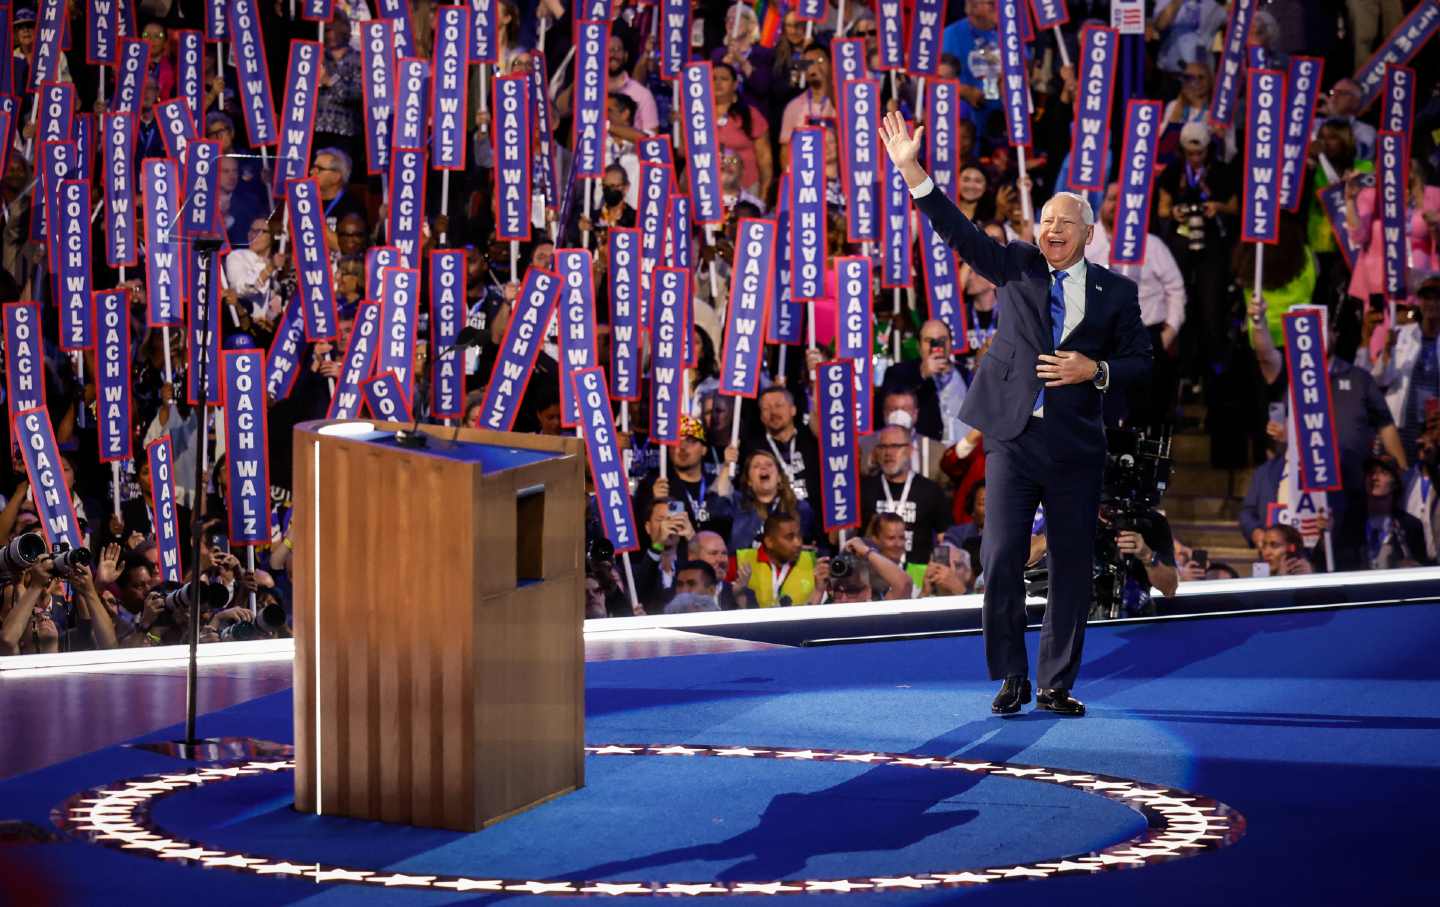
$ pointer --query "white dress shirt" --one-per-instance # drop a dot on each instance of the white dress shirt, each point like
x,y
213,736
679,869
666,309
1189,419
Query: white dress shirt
x,y
1074,289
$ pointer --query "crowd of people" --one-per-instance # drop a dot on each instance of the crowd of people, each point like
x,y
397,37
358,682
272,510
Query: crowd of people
x,y
739,525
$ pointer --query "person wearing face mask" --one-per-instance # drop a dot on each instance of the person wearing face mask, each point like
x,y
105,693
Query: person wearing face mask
x,y
1071,334
901,408
917,500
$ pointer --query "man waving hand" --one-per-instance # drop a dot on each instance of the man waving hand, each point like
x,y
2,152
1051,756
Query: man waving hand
x,y
1070,334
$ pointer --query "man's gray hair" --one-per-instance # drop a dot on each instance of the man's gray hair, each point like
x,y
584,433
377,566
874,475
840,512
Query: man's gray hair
x,y
1087,213
342,158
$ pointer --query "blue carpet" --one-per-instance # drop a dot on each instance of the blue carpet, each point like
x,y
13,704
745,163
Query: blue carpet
x,y
1322,728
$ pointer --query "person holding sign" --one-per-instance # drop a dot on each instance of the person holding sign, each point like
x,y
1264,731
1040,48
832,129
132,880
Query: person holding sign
x,y
1072,333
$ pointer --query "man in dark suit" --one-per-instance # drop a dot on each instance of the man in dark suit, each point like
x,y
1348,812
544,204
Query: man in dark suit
x,y
1071,333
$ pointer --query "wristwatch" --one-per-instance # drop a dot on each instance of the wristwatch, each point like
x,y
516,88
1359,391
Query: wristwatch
x,y
1102,375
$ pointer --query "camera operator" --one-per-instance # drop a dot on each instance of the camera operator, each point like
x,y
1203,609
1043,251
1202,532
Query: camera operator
x,y
669,530
1150,555
26,623
837,579
1199,198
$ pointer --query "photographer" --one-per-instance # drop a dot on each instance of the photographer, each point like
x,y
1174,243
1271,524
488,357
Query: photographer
x,y
1150,556
669,530
838,578
1200,200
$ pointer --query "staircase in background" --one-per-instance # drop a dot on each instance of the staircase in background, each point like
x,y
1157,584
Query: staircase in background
x,y
1203,503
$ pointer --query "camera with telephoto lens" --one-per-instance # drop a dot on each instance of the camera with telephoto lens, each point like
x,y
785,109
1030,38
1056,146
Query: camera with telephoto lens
x,y
68,560
212,596
20,555
268,621
1137,473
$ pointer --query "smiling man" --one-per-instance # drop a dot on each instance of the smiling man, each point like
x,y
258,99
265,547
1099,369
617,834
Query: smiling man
x,y
1072,333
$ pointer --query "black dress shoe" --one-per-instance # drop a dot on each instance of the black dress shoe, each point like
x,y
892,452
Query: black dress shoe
x,y
1060,702
1014,693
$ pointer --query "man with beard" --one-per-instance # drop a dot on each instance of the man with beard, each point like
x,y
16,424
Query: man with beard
x,y
687,481
793,445
897,489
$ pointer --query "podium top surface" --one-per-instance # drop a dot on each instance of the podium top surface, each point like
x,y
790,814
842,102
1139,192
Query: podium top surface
x,y
490,457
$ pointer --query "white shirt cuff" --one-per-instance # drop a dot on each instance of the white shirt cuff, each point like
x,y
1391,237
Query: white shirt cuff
x,y
923,189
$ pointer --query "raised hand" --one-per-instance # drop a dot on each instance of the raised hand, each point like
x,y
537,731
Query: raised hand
x,y
902,146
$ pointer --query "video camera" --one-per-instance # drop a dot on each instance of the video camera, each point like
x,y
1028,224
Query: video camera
x,y
1137,473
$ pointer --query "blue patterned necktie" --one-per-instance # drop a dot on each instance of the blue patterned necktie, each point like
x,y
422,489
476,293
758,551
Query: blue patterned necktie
x,y
1057,321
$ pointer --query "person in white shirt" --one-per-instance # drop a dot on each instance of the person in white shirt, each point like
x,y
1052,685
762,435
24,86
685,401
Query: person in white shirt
x,y
248,271
1162,308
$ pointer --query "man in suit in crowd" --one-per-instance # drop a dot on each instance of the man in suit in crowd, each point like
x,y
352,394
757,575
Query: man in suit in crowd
x,y
1071,333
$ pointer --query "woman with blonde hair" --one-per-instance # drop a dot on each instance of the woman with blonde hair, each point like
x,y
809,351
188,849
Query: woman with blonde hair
x,y
763,489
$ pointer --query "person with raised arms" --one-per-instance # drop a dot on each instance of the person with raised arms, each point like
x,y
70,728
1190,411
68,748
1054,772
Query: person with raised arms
x,y
1072,333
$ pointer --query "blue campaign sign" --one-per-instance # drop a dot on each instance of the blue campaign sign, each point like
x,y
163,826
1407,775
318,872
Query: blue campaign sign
x,y
1232,63
1311,405
577,325
1090,133
860,125
407,202
254,73
247,448
855,332
512,157
1014,81
524,336
654,211
592,40
53,505
1301,93
113,421
164,511
24,358
377,65
839,454
160,178
77,324
1260,207
448,119
118,142
359,362
1137,177
386,399
282,365
667,363
1398,48
1392,161
751,287
447,317
625,308
926,24
895,236
399,321
612,493
412,87
942,278
297,123
786,315
314,283
702,150
942,119
203,299
807,214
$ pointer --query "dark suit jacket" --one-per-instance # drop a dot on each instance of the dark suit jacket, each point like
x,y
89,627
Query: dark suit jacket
x,y
1002,396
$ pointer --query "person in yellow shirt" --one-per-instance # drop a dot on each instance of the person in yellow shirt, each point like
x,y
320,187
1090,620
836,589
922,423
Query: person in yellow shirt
x,y
782,571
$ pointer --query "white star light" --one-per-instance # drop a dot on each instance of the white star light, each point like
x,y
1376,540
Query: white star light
x,y
918,762
1110,859
340,875
675,750
543,888
192,853
401,879
860,757
740,751
959,878
1068,866
798,754
1066,779
903,882
1020,772
235,860
1018,872
971,766
763,888
681,888
287,869
616,889
842,885
1105,785
612,750
472,885
270,766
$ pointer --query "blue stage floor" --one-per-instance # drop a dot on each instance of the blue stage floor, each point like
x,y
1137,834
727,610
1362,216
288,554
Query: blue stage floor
x,y
1322,729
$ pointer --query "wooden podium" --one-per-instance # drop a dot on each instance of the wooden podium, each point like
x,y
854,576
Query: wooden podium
x,y
438,610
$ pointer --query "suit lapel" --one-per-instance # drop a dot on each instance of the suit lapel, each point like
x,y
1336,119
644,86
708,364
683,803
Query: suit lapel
x,y
1094,302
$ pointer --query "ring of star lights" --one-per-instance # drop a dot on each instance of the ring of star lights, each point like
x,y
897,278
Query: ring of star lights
x,y
1179,824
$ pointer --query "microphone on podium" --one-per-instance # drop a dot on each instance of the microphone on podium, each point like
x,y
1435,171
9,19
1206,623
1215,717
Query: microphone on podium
x,y
468,338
